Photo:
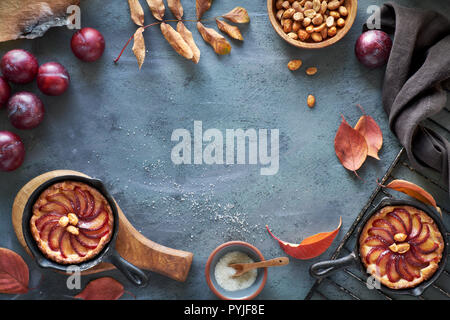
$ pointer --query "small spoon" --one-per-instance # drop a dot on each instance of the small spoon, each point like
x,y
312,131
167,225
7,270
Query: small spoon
x,y
242,268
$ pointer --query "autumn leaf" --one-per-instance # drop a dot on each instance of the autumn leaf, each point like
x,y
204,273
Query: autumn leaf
x,y
136,11
187,36
310,247
176,41
201,6
370,130
176,8
139,46
216,40
14,274
157,8
105,288
232,31
350,147
413,190
237,15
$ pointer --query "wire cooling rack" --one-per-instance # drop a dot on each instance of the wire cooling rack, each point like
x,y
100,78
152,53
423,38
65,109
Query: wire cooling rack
x,y
350,283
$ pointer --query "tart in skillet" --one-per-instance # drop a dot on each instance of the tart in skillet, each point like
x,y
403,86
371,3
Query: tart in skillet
x,y
401,246
71,222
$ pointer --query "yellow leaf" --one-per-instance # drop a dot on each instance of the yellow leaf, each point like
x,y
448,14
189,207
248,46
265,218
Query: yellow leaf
x,y
232,31
215,39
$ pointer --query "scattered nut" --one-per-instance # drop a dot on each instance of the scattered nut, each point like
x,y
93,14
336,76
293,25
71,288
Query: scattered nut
x,y
311,71
73,230
73,219
294,64
63,221
340,22
311,101
343,11
317,37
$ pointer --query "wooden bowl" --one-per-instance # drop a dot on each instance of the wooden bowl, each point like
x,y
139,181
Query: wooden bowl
x,y
352,8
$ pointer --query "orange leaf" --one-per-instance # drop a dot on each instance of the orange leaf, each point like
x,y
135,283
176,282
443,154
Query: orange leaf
x,y
136,11
237,15
350,146
139,46
14,274
310,247
176,8
414,191
201,6
215,39
105,288
232,31
157,8
370,130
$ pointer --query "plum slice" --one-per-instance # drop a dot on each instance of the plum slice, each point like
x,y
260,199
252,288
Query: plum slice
x,y
54,206
373,254
54,237
383,233
94,234
405,217
49,217
422,236
65,245
45,230
82,198
427,247
419,256
402,269
61,199
87,242
416,227
382,223
95,224
396,222
70,194
382,262
392,273
77,246
90,204
376,241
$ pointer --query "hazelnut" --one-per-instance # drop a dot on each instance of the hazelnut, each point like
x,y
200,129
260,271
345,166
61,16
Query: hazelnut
x,y
330,21
309,29
335,14
294,65
298,16
73,219
279,4
280,14
292,35
311,71
340,22
324,33
320,28
400,248
323,7
332,31
317,37
296,5
288,13
308,5
310,13
317,20
285,5
63,221
333,5
311,101
306,22
296,26
400,237
343,11
73,230
303,35
316,5
287,25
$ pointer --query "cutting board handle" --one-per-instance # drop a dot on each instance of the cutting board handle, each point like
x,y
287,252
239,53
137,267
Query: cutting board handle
x,y
130,244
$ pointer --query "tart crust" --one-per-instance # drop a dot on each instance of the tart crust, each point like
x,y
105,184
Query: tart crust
x,y
434,257
100,205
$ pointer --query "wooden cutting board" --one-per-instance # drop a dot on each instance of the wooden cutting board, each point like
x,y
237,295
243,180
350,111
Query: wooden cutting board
x,y
130,244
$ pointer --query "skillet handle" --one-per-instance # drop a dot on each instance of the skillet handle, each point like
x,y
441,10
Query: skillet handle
x,y
133,273
324,268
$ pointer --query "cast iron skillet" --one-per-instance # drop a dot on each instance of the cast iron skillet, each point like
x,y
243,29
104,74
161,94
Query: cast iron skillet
x,y
108,254
325,268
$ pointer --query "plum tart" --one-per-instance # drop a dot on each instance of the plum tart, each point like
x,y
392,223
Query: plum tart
x,y
71,222
401,246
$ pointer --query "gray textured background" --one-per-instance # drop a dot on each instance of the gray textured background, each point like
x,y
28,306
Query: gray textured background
x,y
115,123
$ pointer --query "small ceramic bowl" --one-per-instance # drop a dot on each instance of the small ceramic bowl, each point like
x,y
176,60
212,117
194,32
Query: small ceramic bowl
x,y
245,294
351,6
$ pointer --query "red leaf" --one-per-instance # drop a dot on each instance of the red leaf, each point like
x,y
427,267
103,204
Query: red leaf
x,y
105,288
14,274
310,247
350,146
414,191
370,130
